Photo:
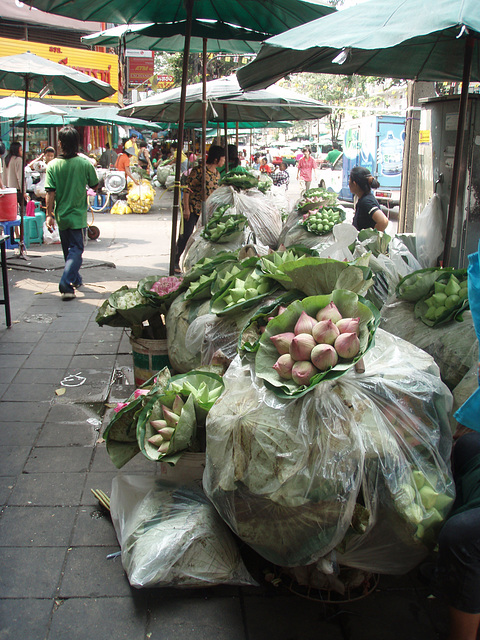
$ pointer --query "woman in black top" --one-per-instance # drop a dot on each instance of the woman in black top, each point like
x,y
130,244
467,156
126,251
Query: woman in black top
x,y
368,214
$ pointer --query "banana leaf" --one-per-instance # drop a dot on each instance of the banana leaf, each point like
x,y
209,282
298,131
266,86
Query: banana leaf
x,y
205,388
455,313
272,262
417,285
315,276
349,305
110,316
208,265
250,335
121,432
201,289
375,241
221,303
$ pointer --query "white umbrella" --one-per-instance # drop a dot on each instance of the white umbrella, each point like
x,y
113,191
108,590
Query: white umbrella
x,y
13,108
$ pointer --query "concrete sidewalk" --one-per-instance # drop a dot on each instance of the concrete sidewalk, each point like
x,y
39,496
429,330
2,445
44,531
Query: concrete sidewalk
x,y
56,582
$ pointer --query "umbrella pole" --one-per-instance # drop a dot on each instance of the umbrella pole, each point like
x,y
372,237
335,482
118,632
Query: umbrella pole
x,y
22,200
462,117
181,122
225,124
204,132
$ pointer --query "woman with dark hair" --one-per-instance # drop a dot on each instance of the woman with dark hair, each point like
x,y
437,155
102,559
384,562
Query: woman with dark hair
x,y
368,214
192,197
13,170
68,177
144,161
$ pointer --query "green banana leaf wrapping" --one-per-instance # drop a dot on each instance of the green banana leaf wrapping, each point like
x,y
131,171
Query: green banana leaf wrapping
x,y
173,284
417,285
132,306
273,262
327,223
121,432
221,302
241,178
349,305
108,315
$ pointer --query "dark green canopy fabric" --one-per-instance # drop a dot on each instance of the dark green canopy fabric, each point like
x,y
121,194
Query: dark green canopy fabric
x,y
270,17
411,39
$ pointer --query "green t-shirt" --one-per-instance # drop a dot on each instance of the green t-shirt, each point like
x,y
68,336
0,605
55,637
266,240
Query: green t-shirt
x,y
69,179
332,155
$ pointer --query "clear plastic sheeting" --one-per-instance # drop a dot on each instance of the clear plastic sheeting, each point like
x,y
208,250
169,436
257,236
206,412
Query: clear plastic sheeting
x,y
343,468
264,219
198,248
297,234
429,230
180,316
453,346
171,536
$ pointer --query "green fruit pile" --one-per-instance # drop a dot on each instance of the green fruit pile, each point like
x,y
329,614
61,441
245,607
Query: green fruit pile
x,y
242,290
446,297
321,221
222,224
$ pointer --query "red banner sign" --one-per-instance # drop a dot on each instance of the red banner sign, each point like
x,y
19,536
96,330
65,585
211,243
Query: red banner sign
x,y
139,70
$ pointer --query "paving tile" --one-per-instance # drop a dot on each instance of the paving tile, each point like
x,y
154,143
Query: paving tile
x,y
197,619
67,435
12,362
3,388
19,564
44,347
13,459
32,376
21,434
96,348
7,484
138,464
47,489
101,481
15,348
42,361
17,392
102,618
95,389
72,413
288,617
92,363
89,573
14,624
50,459
7,374
70,337
94,528
25,411
36,526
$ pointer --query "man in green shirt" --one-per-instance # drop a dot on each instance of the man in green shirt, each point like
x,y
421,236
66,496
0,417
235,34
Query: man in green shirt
x,y
68,177
333,154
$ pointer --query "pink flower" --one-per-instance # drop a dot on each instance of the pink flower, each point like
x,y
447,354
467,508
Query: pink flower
x,y
120,406
139,392
166,285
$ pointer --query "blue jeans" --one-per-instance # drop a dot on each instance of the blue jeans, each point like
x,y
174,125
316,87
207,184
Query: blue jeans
x,y
72,246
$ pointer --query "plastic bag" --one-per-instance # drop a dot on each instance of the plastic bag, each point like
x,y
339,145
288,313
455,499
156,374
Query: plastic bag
x,y
198,248
264,219
429,228
180,316
344,234
171,536
453,346
140,197
338,468
51,237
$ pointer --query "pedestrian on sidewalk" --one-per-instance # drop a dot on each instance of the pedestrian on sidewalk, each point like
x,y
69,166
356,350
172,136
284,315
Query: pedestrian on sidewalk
x,y
306,168
192,197
68,177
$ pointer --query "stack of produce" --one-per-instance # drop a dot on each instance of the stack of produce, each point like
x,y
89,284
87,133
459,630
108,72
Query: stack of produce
x,y
224,225
321,221
241,178
140,197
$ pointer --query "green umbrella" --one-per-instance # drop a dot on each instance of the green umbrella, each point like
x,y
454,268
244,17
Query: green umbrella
x,y
90,117
28,72
269,17
221,37
416,39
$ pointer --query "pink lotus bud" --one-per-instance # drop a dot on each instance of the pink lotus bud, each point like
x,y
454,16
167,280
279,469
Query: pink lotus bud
x,y
120,406
301,346
281,310
330,312
270,318
325,332
305,324
347,345
303,372
283,366
170,418
324,357
349,325
140,392
282,342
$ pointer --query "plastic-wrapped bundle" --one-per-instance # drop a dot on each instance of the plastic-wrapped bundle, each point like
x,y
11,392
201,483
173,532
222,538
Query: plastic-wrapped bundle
x,y
453,346
298,235
164,172
199,248
179,318
171,536
264,219
357,466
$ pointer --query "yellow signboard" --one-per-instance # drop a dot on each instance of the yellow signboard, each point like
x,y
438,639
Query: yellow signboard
x,y
424,136
103,66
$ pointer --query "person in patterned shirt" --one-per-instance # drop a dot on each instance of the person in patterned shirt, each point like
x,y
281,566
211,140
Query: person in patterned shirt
x,y
281,176
192,197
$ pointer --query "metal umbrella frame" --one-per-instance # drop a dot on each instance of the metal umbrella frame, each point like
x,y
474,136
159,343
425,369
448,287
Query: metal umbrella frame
x,y
29,72
274,16
434,40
